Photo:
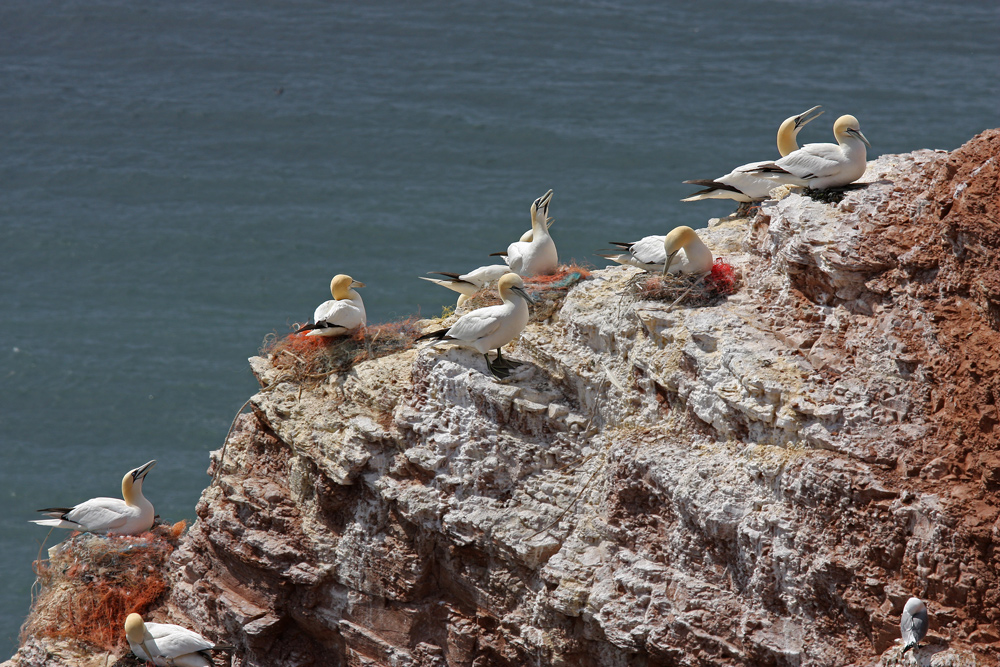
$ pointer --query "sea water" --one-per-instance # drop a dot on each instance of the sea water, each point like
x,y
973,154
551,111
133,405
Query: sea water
x,y
178,180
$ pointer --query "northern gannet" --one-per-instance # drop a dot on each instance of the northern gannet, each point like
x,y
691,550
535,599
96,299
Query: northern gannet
x,y
913,623
821,166
342,314
539,256
679,252
743,186
467,284
168,644
492,327
112,516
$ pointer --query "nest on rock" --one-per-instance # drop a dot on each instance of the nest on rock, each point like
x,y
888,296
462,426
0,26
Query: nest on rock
x,y
317,357
690,290
548,291
91,583
832,195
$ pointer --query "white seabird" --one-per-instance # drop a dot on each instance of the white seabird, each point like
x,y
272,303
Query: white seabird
x,y
913,623
492,327
169,644
680,252
743,186
822,166
342,314
539,256
467,284
110,516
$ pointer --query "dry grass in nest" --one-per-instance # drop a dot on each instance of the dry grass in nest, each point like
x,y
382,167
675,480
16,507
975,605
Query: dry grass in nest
x,y
689,290
317,357
548,292
92,583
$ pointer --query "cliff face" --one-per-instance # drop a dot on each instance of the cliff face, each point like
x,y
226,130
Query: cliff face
x,y
762,480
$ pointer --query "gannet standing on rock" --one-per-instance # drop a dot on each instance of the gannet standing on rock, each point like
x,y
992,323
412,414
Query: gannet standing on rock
x,y
467,284
110,516
342,314
492,327
913,623
679,252
743,186
168,644
538,256
822,166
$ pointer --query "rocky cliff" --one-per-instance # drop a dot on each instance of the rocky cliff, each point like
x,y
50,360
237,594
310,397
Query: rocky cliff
x,y
760,480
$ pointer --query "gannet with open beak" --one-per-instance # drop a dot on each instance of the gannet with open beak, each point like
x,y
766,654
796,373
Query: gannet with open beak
x,y
491,328
342,314
822,166
467,284
539,256
111,516
679,252
169,644
743,186
913,623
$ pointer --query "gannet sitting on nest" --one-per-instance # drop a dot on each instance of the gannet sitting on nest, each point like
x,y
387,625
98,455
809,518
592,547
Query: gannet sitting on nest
x,y
679,252
913,623
743,186
539,256
342,314
822,166
168,644
467,284
111,516
492,327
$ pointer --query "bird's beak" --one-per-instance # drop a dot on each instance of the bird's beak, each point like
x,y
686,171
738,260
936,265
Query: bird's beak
x,y
525,295
807,117
357,283
149,654
140,472
670,260
857,133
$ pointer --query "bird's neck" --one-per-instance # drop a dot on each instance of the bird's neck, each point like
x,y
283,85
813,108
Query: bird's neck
x,y
132,493
787,134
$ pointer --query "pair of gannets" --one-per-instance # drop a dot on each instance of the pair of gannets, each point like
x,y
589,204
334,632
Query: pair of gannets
x,y
817,166
538,255
169,644
110,516
679,252
492,327
342,314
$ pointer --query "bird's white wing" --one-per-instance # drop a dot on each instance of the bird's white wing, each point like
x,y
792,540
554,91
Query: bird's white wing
x,y
475,325
752,185
515,256
341,313
460,286
486,274
813,161
173,640
649,250
99,515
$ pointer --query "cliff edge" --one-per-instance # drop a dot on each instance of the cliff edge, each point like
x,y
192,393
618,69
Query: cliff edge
x,y
762,480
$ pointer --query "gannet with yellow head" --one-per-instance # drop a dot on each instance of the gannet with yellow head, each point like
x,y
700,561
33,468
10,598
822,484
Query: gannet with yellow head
x,y
741,185
492,327
342,314
822,166
680,252
467,284
169,644
110,516
538,256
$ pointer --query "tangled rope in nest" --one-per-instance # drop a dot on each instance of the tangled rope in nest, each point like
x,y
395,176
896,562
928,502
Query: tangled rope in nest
x,y
690,290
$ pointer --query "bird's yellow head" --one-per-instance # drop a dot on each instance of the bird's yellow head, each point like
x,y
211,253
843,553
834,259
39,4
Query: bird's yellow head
x,y
341,286
679,237
511,282
133,481
849,125
135,629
